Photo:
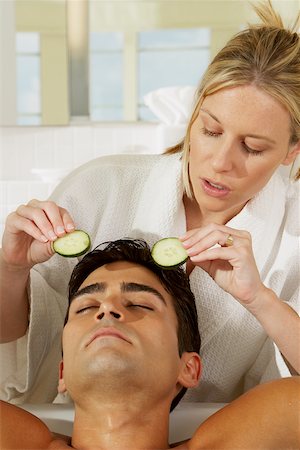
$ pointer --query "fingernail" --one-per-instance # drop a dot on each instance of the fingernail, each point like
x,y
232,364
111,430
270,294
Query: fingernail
x,y
44,239
70,226
52,235
60,230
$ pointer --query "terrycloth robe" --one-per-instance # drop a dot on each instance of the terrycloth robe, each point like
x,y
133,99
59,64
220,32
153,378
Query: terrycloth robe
x,y
140,196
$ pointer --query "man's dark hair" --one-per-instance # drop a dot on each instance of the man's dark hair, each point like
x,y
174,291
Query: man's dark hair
x,y
175,281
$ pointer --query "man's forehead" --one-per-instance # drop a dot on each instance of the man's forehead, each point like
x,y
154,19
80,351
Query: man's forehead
x,y
123,271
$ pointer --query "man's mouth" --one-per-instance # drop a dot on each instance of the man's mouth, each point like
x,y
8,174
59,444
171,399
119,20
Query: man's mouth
x,y
107,332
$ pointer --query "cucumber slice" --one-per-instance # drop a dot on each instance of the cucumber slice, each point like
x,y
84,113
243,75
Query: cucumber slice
x,y
169,253
72,244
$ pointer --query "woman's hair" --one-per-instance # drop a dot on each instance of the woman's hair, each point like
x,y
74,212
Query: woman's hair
x,y
175,281
265,55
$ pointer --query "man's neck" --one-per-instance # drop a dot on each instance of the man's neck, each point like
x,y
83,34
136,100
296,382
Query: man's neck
x,y
123,425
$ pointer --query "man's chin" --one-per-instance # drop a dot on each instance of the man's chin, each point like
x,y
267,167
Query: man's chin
x,y
109,368
106,379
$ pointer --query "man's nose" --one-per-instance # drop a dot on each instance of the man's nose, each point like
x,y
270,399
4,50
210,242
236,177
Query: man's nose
x,y
110,308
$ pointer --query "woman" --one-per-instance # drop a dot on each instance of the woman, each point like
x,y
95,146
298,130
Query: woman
x,y
220,181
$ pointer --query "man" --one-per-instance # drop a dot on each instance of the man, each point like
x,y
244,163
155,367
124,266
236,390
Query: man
x,y
130,350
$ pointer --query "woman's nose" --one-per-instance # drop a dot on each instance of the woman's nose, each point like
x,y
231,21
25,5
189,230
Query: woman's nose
x,y
110,309
223,158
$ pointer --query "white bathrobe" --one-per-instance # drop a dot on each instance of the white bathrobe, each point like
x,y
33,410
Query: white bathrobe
x,y
140,196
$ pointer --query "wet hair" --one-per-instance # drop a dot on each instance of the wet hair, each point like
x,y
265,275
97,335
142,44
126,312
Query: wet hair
x,y
266,56
175,282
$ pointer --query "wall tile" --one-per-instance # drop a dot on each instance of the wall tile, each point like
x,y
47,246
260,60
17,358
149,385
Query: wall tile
x,y
145,138
63,147
25,148
44,148
83,145
17,192
103,141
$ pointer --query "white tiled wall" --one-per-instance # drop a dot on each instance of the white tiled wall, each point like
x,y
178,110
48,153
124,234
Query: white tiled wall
x,y
25,148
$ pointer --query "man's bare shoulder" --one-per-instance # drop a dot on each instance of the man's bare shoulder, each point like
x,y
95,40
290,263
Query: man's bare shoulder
x,y
21,429
59,442
266,417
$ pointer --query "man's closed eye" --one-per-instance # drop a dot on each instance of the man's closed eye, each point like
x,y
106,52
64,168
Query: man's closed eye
x,y
140,306
86,308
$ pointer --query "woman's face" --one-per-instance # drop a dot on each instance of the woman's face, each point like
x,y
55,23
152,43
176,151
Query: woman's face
x,y
238,140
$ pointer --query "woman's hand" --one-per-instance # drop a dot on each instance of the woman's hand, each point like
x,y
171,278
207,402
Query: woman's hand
x,y
29,231
231,265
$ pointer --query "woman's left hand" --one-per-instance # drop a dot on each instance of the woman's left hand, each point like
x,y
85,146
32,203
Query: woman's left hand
x,y
230,263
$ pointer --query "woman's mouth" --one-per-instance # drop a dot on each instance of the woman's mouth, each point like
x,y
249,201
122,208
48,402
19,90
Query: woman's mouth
x,y
214,189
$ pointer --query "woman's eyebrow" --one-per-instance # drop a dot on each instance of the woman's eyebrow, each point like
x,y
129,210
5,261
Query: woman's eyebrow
x,y
255,136
90,289
137,287
210,114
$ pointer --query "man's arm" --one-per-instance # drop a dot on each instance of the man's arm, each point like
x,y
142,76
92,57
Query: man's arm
x,y
21,430
266,417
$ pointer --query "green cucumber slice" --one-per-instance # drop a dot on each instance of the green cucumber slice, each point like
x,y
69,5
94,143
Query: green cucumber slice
x,y
72,244
169,253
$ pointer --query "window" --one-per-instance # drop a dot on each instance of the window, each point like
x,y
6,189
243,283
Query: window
x,y
172,57
169,57
28,79
106,76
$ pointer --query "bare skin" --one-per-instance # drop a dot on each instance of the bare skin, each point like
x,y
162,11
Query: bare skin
x,y
119,339
265,418
239,139
26,241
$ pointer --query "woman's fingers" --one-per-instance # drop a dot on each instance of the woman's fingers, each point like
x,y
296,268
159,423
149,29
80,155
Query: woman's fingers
x,y
208,237
195,235
30,226
67,220
50,219
212,254
23,224
227,255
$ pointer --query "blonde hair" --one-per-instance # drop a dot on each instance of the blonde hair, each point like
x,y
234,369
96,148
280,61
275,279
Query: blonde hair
x,y
266,55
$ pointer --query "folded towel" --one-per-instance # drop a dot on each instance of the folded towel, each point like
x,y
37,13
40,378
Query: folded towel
x,y
172,105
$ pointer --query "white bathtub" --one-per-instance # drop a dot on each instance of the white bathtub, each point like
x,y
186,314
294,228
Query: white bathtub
x,y
184,419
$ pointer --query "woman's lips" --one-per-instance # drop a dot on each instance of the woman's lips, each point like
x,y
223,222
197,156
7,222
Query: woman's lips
x,y
214,189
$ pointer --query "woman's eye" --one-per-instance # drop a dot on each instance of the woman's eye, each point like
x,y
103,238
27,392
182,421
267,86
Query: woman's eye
x,y
85,309
141,306
210,133
251,150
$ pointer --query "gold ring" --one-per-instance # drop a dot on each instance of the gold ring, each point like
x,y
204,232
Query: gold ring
x,y
229,241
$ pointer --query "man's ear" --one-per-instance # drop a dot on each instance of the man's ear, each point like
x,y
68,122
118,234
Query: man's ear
x,y
61,388
190,371
292,154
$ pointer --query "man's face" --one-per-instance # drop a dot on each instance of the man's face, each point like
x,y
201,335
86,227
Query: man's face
x,y
121,333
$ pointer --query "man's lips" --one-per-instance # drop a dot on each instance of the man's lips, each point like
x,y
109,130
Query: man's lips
x,y
107,331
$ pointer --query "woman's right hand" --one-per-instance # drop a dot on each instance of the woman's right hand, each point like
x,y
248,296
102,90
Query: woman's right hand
x,y
30,230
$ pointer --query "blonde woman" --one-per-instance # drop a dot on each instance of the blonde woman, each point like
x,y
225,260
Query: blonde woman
x,y
220,186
